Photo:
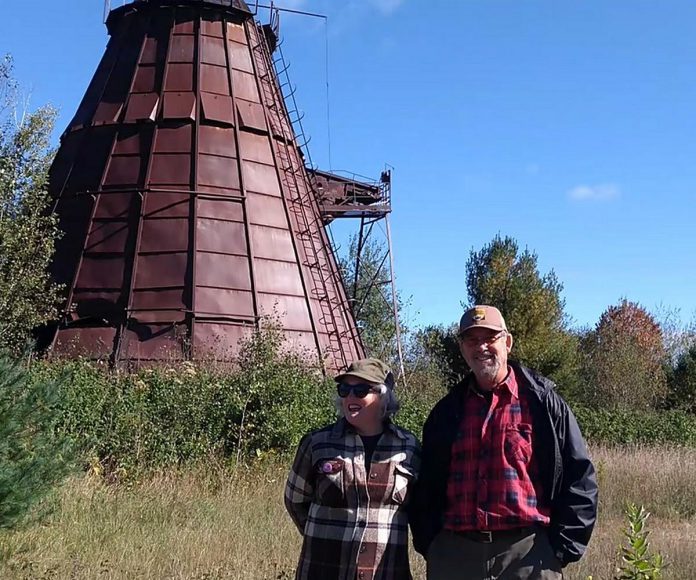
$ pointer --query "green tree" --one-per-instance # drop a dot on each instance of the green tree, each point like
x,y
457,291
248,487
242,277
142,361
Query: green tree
x,y
624,359
368,285
503,276
34,454
682,382
28,231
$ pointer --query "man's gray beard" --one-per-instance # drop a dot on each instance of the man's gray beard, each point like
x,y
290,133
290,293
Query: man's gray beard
x,y
488,373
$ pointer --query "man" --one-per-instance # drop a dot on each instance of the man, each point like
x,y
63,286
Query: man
x,y
507,489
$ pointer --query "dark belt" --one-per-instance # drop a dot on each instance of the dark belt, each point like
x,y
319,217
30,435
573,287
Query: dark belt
x,y
490,536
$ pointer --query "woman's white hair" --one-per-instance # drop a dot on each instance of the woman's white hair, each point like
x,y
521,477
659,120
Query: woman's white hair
x,y
387,397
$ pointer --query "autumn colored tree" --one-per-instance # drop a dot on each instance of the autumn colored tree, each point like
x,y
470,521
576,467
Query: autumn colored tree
x,y
624,359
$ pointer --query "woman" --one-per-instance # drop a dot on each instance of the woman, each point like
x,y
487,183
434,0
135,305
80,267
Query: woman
x,y
350,481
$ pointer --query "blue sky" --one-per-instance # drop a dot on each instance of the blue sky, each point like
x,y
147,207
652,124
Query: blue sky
x,y
569,126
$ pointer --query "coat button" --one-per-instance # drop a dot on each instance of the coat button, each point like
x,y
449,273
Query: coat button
x,y
362,549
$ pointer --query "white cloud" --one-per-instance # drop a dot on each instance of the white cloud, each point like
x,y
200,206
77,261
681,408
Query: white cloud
x,y
600,192
387,7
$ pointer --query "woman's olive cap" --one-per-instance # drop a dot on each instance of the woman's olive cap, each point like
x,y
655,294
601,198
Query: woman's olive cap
x,y
368,369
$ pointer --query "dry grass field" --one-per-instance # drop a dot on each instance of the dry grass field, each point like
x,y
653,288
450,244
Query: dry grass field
x,y
210,524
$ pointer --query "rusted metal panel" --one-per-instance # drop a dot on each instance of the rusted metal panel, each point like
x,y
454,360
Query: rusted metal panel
x,y
224,302
214,79
185,221
182,48
179,77
173,139
213,51
217,141
217,108
179,106
113,205
98,271
123,170
167,204
255,147
251,116
235,31
230,210
272,243
221,236
266,210
218,171
142,107
239,56
278,277
164,235
161,270
170,169
223,271
211,27
261,178
167,299
107,237
290,311
245,86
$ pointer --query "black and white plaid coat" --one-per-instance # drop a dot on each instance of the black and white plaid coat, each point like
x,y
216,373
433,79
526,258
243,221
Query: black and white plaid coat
x,y
354,524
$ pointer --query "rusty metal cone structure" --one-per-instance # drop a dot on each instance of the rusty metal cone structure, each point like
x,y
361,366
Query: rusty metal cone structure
x,y
187,210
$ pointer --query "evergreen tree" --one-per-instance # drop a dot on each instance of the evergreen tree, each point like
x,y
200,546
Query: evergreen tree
x,y
34,454
28,231
682,382
502,276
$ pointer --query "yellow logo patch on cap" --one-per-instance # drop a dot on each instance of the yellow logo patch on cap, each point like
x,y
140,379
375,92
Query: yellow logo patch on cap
x,y
479,314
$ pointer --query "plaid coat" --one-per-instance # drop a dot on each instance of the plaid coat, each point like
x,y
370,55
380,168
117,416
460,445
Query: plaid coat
x,y
355,525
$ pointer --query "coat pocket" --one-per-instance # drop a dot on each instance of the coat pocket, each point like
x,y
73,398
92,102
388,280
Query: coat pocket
x,y
329,482
518,443
403,477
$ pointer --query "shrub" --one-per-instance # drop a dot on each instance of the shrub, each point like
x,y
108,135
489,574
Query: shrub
x,y
620,427
130,422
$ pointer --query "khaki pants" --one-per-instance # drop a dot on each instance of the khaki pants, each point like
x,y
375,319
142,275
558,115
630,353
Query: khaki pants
x,y
526,555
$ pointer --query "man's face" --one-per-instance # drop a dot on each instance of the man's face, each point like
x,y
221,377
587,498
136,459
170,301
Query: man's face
x,y
486,353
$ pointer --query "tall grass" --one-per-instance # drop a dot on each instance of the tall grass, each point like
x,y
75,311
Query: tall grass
x,y
210,522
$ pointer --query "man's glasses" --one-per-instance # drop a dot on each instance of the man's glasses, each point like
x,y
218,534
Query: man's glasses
x,y
360,390
487,340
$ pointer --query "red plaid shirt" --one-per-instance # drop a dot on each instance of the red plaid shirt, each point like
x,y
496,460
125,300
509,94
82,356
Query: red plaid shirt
x,y
492,483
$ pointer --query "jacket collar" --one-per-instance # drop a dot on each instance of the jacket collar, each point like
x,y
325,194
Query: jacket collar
x,y
342,427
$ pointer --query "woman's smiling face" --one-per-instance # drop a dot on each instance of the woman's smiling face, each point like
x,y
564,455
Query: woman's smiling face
x,y
364,414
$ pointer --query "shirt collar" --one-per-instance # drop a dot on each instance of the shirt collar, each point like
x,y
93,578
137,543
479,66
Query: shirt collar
x,y
342,426
509,384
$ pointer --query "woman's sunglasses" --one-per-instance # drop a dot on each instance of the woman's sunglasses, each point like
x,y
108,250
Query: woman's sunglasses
x,y
360,390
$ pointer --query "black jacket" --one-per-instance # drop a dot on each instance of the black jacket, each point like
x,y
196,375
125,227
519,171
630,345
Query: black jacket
x,y
568,474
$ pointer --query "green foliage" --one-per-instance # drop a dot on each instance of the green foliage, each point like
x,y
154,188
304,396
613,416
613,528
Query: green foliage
x,y
637,562
35,453
159,417
624,360
632,427
502,276
435,349
368,288
682,382
28,232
